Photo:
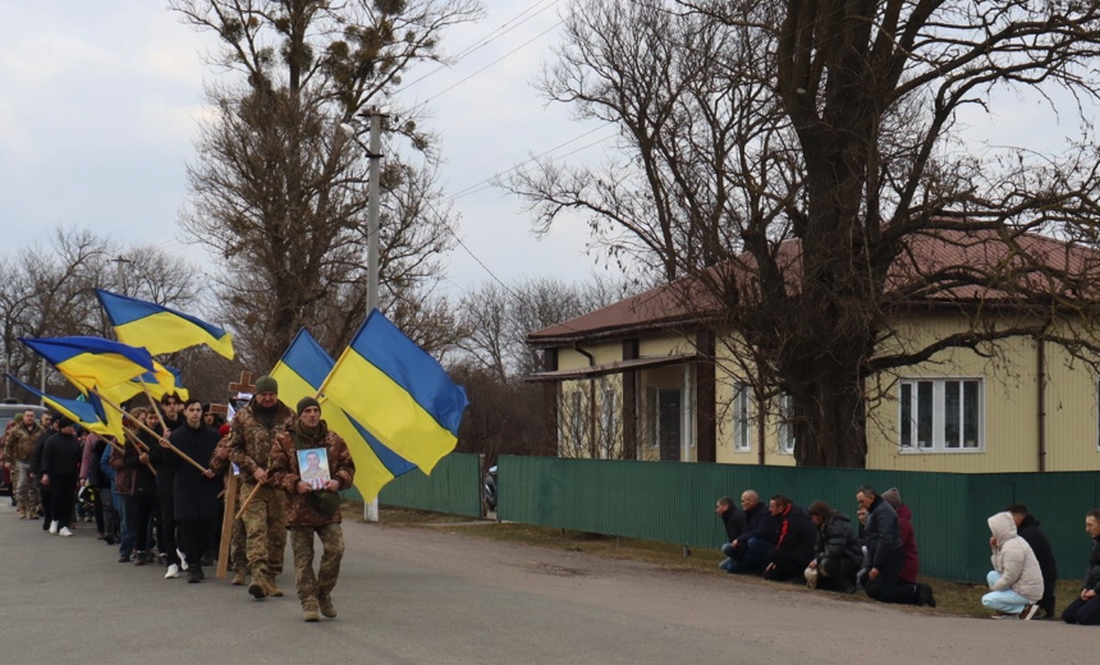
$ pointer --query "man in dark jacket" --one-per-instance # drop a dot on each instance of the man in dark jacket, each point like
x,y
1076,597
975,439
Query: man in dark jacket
x,y
794,547
61,457
750,552
1027,527
837,554
1085,609
733,520
883,540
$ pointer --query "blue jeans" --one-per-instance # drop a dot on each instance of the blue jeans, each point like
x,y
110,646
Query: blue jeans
x,y
1007,601
748,559
125,545
727,565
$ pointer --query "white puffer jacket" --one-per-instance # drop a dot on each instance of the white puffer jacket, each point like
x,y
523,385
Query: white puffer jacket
x,y
1014,560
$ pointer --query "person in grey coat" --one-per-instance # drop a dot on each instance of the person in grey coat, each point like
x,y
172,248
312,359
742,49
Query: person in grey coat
x,y
837,553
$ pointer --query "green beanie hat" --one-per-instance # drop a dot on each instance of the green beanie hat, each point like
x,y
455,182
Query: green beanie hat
x,y
307,402
266,384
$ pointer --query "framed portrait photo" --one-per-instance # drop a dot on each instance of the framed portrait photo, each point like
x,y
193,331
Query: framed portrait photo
x,y
313,467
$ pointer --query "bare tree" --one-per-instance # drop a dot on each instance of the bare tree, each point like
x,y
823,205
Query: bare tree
x,y
801,165
49,291
279,189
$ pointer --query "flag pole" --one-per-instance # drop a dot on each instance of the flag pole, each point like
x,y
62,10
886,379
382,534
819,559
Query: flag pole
x,y
248,500
164,442
153,405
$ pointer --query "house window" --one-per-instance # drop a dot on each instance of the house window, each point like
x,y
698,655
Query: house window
x,y
786,423
742,417
941,415
576,419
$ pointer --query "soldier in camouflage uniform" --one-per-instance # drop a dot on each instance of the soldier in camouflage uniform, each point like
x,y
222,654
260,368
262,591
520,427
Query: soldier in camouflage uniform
x,y
16,456
251,436
313,511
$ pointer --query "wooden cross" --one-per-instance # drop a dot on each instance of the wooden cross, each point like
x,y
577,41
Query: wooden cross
x,y
245,385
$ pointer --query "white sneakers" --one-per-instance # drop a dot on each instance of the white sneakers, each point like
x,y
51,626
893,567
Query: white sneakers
x,y
173,572
65,532
53,528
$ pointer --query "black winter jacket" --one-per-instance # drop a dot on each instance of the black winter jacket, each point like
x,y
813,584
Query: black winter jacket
x,y
836,540
881,534
796,533
759,523
61,456
734,521
1092,575
1029,531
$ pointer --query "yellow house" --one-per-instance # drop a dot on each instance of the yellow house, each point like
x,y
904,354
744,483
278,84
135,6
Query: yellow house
x,y
647,378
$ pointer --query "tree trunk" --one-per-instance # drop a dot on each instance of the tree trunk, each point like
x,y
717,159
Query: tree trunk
x,y
830,422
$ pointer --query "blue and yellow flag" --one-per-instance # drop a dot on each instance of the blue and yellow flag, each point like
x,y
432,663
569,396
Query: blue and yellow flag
x,y
91,362
90,415
300,372
163,381
160,329
398,392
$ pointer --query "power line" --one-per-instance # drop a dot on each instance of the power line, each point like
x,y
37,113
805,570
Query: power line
x,y
499,32
479,186
498,60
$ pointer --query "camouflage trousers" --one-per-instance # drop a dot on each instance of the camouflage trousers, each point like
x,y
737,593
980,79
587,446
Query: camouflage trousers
x,y
332,544
238,547
25,490
265,529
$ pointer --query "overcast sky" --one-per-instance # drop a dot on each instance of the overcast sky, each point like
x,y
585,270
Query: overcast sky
x,y
101,100
100,103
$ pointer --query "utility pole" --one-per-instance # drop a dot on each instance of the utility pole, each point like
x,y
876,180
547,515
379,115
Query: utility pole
x,y
374,153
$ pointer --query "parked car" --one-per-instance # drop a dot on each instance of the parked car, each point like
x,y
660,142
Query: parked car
x,y
8,412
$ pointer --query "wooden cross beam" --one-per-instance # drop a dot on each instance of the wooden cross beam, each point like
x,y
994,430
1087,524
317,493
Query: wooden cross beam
x,y
219,409
245,385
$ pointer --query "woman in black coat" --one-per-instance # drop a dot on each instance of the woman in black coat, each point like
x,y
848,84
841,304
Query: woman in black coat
x,y
198,508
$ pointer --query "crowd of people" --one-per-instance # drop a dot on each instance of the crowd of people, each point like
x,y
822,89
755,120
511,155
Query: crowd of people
x,y
158,494
782,541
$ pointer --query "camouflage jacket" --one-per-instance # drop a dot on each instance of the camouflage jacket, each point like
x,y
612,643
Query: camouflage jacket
x,y
285,472
250,440
19,443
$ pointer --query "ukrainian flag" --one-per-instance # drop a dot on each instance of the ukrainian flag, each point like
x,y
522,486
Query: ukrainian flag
x,y
159,329
300,372
92,362
398,392
162,381
90,414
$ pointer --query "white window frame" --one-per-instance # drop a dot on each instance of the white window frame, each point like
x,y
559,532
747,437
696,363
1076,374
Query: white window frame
x,y
939,388
786,427
741,421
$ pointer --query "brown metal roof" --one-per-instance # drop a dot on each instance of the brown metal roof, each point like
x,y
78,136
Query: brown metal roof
x,y
960,262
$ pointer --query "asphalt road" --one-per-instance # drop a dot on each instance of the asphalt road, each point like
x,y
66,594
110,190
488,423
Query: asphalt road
x,y
437,596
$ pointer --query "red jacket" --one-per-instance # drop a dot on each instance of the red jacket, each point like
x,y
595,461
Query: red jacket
x,y
911,568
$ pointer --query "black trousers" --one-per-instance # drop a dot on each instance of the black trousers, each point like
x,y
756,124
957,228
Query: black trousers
x,y
1086,613
788,565
888,587
139,516
63,498
46,497
195,537
837,574
166,529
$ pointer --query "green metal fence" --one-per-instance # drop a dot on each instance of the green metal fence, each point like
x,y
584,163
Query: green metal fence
x,y
454,487
674,502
